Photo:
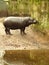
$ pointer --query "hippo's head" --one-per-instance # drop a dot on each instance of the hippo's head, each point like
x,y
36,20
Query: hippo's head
x,y
33,21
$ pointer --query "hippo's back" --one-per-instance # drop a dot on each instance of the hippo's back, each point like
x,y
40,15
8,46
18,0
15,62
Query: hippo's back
x,y
16,19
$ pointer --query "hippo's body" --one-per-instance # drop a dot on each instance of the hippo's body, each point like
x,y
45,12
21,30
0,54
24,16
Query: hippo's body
x,y
17,23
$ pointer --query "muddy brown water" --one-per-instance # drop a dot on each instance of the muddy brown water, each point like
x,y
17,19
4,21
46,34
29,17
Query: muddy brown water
x,y
24,57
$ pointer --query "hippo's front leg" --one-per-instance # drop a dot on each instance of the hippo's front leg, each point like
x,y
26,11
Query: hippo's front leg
x,y
22,30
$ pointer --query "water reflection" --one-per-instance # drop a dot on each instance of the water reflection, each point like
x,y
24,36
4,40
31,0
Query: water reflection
x,y
24,57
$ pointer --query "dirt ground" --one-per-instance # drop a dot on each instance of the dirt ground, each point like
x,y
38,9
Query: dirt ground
x,y
17,41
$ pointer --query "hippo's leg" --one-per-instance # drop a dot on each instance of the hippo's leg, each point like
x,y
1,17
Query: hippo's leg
x,y
23,31
7,30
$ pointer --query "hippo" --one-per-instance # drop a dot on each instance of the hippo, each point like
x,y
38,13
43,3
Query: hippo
x,y
13,23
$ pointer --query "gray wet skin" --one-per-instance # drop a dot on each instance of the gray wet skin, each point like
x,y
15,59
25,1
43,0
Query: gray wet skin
x,y
18,23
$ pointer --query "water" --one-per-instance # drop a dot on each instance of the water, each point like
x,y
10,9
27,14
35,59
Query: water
x,y
24,57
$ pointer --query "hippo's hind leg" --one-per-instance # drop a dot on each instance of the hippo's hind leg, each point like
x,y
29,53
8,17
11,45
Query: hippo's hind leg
x,y
7,30
23,31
